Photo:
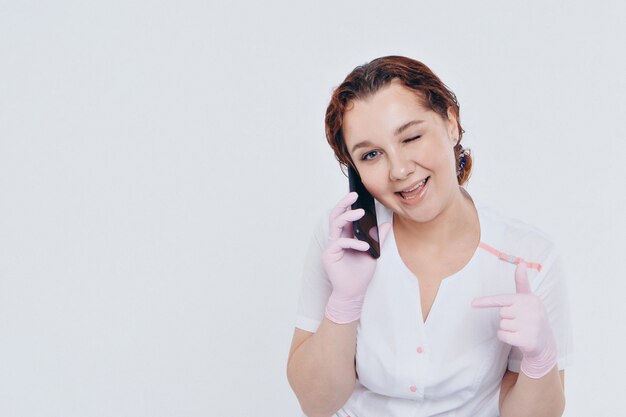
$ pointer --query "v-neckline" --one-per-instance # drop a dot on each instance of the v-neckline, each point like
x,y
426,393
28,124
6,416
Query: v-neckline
x,y
451,277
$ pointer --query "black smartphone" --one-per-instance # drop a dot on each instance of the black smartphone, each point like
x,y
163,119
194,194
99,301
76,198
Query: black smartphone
x,y
366,228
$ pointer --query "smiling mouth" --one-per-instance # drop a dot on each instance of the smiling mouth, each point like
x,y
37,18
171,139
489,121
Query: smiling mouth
x,y
412,192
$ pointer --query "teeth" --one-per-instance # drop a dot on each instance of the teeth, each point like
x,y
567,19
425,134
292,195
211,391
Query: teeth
x,y
416,187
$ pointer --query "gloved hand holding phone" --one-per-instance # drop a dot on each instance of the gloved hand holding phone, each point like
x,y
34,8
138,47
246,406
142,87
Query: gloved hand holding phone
x,y
347,263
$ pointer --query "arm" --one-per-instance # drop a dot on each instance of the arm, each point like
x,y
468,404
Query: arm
x,y
522,396
537,390
321,368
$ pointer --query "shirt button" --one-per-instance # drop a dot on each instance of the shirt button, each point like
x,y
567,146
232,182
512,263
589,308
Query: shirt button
x,y
419,349
413,388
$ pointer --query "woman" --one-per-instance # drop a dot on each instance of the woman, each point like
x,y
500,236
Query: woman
x,y
465,313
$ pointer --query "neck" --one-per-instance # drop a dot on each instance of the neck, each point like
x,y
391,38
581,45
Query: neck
x,y
457,221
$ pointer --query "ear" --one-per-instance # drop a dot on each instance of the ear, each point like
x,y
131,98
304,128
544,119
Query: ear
x,y
452,126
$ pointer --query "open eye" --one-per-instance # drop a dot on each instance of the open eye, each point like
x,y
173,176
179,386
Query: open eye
x,y
369,156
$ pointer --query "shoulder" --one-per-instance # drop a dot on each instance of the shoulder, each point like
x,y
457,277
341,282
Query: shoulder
x,y
516,237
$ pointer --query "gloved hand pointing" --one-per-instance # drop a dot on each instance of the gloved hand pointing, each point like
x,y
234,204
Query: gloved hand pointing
x,y
346,261
524,324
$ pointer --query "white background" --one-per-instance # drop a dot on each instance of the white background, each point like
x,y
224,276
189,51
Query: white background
x,y
162,165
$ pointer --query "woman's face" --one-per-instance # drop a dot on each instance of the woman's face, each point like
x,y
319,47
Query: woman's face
x,y
396,145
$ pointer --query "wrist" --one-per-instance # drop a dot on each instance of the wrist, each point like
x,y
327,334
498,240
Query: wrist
x,y
537,366
341,310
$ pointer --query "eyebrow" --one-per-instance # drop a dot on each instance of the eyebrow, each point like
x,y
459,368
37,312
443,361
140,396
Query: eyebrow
x,y
398,131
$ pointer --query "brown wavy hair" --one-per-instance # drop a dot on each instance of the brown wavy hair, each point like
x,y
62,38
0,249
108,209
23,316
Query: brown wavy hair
x,y
367,79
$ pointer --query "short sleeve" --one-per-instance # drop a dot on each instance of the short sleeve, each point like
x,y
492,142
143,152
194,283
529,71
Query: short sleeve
x,y
315,286
551,286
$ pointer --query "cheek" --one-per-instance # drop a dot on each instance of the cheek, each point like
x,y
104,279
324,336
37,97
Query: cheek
x,y
374,181
444,159
448,161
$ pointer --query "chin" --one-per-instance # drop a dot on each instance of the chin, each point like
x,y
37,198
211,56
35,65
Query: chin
x,y
424,217
420,213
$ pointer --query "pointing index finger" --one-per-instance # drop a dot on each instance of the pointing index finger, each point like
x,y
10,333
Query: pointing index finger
x,y
501,300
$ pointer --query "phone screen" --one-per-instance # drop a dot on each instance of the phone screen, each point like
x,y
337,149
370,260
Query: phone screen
x,y
366,228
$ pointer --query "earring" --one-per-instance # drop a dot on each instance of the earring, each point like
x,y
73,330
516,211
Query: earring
x,y
462,159
461,165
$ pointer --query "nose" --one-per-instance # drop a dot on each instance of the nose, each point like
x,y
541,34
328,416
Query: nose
x,y
400,167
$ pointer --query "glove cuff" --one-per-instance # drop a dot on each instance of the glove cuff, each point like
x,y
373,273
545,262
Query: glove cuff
x,y
539,365
343,311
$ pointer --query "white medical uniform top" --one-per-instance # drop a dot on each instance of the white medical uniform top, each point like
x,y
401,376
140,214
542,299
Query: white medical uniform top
x,y
452,364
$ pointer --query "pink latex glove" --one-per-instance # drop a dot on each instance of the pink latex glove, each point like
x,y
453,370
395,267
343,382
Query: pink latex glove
x,y
346,262
524,324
